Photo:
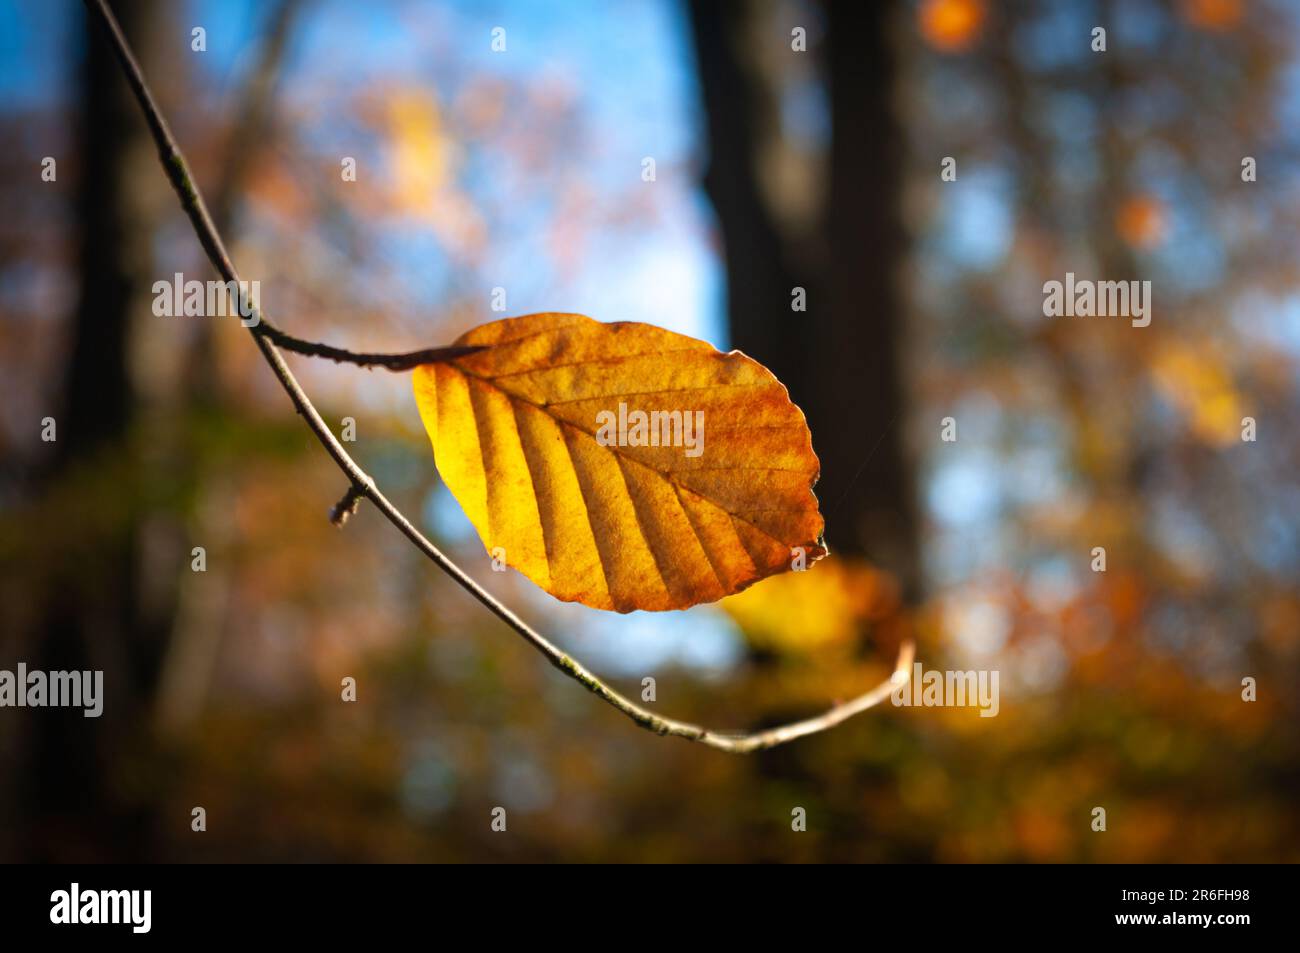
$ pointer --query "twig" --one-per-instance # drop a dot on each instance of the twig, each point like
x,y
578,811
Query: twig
x,y
390,362
270,339
341,511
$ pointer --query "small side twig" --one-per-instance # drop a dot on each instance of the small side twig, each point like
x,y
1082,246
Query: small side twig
x,y
270,339
346,507
390,362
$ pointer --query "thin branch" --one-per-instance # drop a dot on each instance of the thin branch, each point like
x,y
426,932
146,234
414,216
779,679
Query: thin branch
x,y
390,362
270,339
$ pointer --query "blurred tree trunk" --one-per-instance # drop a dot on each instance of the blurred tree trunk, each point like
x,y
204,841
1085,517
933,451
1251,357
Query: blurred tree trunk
x,y
192,652
91,616
841,359
760,273
246,141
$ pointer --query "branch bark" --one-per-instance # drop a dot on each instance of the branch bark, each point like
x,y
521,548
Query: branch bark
x,y
271,339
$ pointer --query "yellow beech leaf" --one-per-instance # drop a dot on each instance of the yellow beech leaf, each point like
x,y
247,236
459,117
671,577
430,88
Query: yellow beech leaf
x,y
808,611
621,465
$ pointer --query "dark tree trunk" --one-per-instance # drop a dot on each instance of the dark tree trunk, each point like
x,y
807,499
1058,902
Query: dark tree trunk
x,y
97,391
90,616
867,479
760,275
841,359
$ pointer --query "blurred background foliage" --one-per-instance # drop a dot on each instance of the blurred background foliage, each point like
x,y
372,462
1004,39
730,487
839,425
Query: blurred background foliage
x,y
774,169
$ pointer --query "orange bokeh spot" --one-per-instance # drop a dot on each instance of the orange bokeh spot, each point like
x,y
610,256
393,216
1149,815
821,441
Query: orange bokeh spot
x,y
1217,15
951,25
1140,221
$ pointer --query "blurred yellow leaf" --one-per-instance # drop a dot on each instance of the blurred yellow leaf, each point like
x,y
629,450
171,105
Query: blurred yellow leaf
x,y
1196,382
621,465
418,153
804,611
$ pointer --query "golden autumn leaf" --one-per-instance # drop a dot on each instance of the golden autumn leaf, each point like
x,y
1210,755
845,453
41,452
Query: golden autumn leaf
x,y
621,465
